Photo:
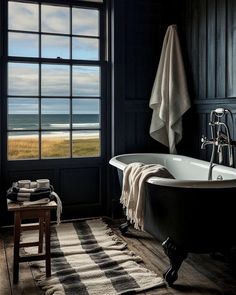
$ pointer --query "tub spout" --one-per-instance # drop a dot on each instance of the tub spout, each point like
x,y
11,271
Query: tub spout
x,y
206,142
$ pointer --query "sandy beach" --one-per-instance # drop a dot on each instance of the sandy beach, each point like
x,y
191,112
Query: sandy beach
x,y
56,145
53,135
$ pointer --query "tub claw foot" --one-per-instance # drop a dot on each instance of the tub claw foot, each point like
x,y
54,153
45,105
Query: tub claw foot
x,y
124,227
176,257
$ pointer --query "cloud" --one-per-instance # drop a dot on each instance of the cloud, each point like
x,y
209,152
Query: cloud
x,y
55,80
30,106
55,46
23,106
55,106
86,81
86,106
85,22
23,79
23,16
85,48
21,44
55,19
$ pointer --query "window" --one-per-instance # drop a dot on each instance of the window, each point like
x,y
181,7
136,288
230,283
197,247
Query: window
x,y
54,89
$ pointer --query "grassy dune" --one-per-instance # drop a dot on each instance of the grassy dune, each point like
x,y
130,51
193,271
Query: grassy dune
x,y
28,148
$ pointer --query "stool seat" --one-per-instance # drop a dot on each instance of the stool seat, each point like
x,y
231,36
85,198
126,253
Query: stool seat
x,y
42,212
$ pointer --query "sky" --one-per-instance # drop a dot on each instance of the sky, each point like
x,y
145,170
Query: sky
x,y
23,78
53,106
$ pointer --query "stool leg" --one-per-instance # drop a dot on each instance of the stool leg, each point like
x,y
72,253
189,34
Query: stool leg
x,y
41,231
17,226
47,243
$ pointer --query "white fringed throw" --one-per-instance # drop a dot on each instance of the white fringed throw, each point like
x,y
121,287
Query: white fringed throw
x,y
88,259
133,191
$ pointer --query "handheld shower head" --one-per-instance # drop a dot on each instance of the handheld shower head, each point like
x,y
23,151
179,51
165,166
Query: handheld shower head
x,y
220,111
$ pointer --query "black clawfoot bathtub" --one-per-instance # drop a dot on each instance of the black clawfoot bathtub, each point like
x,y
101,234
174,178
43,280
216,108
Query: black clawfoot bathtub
x,y
188,213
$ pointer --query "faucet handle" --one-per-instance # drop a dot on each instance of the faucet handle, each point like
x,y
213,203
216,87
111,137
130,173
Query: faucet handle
x,y
203,141
203,138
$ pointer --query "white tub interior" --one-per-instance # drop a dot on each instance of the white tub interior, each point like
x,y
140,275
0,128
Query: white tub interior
x,y
187,171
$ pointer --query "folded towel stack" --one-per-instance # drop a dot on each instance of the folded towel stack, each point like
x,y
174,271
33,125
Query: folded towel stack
x,y
34,193
25,190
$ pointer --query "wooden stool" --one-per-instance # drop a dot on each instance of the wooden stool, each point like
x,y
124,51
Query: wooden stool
x,y
42,213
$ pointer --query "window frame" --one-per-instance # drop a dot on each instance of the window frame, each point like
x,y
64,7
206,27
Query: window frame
x,y
101,63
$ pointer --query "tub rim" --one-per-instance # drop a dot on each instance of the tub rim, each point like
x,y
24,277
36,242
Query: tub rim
x,y
206,184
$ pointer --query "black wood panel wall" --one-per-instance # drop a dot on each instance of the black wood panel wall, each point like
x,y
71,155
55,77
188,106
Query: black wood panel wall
x,y
209,29
138,31
140,26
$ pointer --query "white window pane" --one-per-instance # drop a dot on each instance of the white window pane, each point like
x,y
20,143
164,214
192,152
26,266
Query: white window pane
x,y
23,113
23,16
55,113
55,19
86,113
23,145
26,45
86,143
55,80
85,48
55,46
23,79
86,81
85,22
55,144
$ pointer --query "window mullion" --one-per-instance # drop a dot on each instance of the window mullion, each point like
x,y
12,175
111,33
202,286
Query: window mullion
x,y
40,84
71,110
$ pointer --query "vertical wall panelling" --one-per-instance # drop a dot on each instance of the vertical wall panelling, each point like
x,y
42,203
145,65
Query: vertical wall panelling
x,y
231,46
221,47
211,40
211,48
139,29
130,120
195,46
202,49
118,74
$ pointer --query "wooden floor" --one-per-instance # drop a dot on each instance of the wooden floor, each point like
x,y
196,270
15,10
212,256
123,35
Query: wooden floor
x,y
199,274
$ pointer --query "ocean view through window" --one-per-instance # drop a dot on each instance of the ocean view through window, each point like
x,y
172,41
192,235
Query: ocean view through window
x,y
54,80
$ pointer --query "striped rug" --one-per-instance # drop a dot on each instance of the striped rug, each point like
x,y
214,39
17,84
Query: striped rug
x,y
88,258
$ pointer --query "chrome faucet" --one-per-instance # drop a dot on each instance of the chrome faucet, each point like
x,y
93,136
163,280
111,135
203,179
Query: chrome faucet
x,y
220,138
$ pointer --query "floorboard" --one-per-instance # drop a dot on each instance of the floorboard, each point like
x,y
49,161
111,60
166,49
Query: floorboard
x,y
4,277
198,275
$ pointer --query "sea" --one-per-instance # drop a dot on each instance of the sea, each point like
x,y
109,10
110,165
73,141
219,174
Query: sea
x,y
18,124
